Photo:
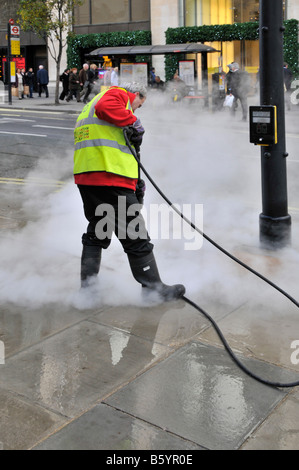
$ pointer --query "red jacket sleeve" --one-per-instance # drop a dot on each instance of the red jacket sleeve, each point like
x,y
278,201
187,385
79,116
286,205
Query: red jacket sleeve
x,y
112,108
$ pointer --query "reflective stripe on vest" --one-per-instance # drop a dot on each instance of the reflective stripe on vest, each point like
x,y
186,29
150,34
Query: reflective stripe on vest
x,y
101,146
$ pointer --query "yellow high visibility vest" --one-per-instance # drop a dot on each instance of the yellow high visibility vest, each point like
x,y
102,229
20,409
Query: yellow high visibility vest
x,y
101,146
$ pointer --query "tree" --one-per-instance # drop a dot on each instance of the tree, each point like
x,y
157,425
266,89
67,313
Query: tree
x,y
50,20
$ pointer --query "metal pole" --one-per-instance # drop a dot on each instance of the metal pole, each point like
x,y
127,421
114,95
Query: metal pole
x,y
8,64
275,222
204,68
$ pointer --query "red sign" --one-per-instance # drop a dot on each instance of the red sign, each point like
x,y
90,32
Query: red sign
x,y
11,21
20,61
15,30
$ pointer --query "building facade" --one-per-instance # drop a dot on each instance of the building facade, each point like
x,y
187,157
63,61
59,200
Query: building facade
x,y
159,15
156,16
97,16
33,49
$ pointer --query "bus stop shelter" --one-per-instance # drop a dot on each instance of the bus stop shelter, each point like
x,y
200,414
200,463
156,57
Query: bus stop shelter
x,y
187,48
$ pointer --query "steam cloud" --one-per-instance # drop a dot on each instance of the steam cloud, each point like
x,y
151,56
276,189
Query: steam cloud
x,y
196,157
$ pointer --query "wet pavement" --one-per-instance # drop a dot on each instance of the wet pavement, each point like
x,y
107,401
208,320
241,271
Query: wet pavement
x,y
156,377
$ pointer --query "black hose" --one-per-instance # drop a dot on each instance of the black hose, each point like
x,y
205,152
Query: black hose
x,y
197,307
233,356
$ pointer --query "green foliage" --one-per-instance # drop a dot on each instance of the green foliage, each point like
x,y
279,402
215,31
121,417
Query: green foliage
x,y
46,17
34,16
77,44
80,44
210,33
229,32
291,46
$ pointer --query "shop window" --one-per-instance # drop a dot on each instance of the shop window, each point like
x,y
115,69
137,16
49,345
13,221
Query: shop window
x,y
245,10
201,12
112,11
190,13
206,12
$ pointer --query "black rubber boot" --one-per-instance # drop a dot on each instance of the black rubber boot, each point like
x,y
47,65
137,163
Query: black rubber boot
x,y
145,272
90,264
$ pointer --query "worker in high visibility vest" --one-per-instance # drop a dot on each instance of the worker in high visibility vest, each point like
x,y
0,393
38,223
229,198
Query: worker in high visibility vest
x,y
107,176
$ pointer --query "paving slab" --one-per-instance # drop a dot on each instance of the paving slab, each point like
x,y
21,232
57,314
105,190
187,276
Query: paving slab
x,y
24,326
265,331
105,428
23,423
128,377
74,369
200,395
172,323
280,431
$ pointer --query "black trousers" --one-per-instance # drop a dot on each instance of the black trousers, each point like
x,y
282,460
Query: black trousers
x,y
64,93
42,87
72,93
87,91
116,210
244,105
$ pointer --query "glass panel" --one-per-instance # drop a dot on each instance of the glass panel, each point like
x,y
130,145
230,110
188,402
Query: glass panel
x,y
245,10
205,12
110,11
251,11
237,9
140,10
252,56
190,12
225,12
214,12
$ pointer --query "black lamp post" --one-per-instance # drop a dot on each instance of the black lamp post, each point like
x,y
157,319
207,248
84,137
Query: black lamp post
x,y
11,22
275,222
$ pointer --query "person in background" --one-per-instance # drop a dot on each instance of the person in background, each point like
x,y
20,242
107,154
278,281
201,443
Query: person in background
x,y
152,77
114,77
83,79
107,76
288,77
64,78
29,81
25,84
42,81
83,74
159,84
238,86
91,78
74,85
107,176
20,84
177,88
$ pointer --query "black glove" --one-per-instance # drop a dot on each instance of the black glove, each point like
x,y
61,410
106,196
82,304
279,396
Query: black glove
x,y
137,134
140,191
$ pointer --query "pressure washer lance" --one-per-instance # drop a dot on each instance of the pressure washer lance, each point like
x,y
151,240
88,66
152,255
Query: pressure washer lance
x,y
127,132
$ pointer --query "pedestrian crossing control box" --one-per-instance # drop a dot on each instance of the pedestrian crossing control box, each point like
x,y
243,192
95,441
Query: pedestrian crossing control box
x,y
263,125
